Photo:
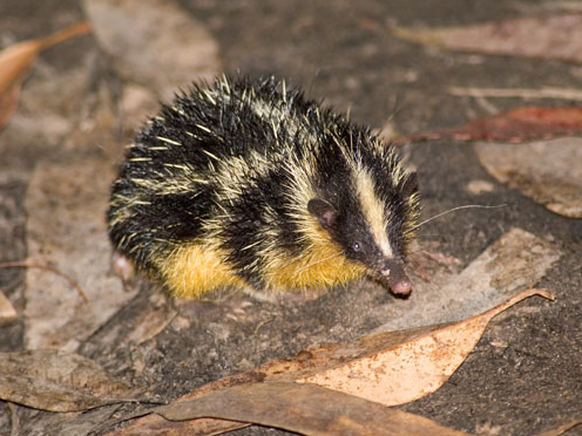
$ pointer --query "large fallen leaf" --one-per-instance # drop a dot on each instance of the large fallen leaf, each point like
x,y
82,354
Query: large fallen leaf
x,y
154,43
517,125
57,381
549,37
306,409
387,368
549,172
16,61
313,410
415,367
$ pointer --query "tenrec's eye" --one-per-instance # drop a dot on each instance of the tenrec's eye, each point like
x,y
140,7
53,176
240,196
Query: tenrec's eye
x,y
356,246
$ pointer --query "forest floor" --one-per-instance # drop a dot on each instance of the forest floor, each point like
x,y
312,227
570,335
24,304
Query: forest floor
x,y
87,96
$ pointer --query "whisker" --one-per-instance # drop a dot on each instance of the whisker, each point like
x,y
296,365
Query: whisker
x,y
454,209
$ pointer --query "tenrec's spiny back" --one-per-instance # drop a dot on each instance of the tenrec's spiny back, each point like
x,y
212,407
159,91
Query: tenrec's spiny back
x,y
249,184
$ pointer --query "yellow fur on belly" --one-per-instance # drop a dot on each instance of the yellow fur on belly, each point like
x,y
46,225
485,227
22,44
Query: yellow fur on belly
x,y
306,274
322,266
193,270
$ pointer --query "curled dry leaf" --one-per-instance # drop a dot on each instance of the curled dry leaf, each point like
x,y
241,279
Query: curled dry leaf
x,y
549,37
381,368
16,61
517,125
57,381
549,172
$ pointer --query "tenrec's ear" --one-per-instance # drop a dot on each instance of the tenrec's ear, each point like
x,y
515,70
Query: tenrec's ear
x,y
325,213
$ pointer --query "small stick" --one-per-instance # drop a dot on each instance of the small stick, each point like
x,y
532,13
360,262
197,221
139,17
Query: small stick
x,y
67,277
15,421
546,92
261,324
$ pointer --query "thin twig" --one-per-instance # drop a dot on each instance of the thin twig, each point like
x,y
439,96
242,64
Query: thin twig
x,y
67,277
546,92
261,324
14,420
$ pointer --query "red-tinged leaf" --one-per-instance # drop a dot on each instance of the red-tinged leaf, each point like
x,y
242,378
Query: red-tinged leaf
x,y
16,61
518,125
550,37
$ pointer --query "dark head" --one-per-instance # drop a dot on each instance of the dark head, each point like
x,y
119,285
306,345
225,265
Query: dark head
x,y
372,221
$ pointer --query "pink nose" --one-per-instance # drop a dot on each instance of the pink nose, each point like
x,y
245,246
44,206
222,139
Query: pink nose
x,y
394,278
402,287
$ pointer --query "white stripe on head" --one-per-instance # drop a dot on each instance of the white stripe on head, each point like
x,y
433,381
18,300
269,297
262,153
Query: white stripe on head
x,y
373,210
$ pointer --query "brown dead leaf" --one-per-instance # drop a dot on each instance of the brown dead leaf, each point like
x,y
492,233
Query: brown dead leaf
x,y
517,125
381,367
304,408
7,312
549,172
549,37
16,61
57,381
415,367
